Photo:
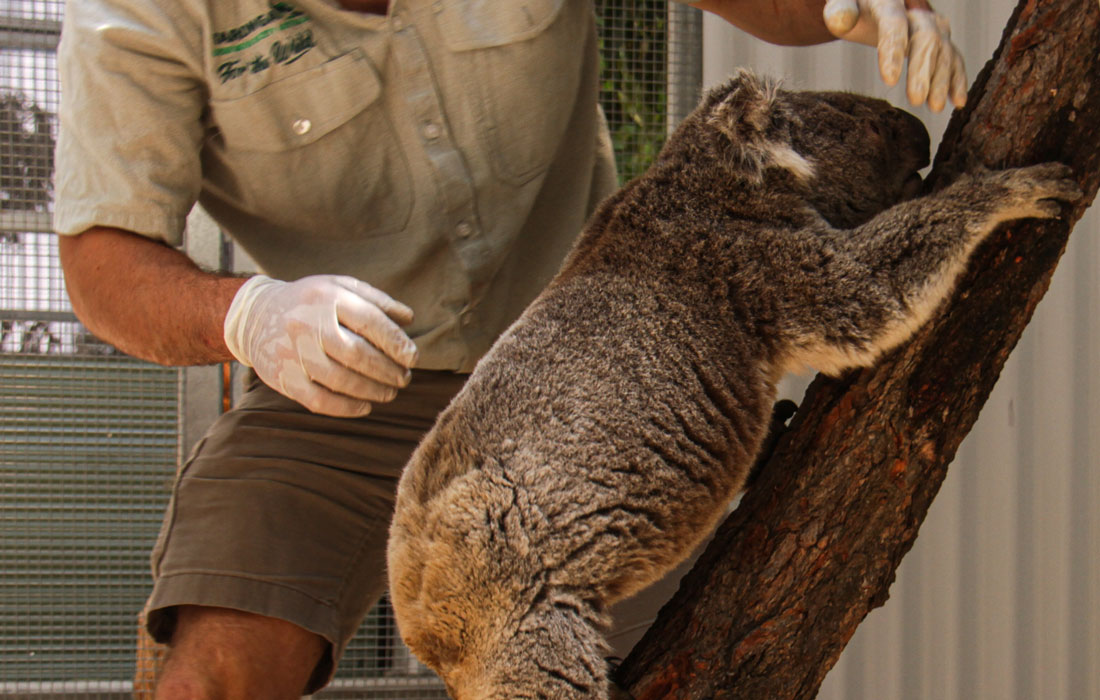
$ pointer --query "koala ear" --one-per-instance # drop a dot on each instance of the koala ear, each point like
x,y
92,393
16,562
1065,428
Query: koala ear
x,y
757,126
745,112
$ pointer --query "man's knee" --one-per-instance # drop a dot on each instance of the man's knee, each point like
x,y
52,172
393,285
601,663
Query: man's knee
x,y
230,654
184,687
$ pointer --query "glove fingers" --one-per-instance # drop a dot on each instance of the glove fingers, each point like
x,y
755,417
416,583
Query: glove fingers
x,y
924,55
958,90
290,376
363,359
893,39
917,33
368,320
397,311
941,80
334,389
957,87
319,399
329,377
840,16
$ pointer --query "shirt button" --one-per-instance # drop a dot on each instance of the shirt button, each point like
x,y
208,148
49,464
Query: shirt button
x,y
464,229
432,131
302,126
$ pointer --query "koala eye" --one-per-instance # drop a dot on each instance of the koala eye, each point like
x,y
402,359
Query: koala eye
x,y
874,128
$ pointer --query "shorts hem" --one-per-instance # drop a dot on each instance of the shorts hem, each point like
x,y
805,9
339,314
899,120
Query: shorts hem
x,y
247,595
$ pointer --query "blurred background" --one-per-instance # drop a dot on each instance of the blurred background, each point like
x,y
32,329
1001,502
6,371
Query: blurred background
x,y
999,599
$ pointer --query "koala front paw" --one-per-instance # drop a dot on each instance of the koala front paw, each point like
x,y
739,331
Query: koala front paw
x,y
1033,192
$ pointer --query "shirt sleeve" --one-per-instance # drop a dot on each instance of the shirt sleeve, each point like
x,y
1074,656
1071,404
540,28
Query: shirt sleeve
x,y
131,110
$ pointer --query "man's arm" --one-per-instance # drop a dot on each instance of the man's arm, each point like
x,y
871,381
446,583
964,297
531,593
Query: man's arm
x,y
330,342
902,30
145,298
784,22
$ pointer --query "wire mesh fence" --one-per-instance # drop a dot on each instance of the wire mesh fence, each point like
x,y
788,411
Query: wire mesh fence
x,y
633,70
89,438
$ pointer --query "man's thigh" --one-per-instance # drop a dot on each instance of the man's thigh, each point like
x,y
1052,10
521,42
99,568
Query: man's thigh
x,y
285,513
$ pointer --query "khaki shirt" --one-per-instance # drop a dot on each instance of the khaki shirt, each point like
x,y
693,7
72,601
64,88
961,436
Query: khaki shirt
x,y
447,153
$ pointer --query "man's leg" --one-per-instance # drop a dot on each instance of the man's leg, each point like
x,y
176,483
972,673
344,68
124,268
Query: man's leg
x,y
273,547
218,653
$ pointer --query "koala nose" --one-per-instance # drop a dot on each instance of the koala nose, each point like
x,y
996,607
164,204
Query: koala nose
x,y
911,135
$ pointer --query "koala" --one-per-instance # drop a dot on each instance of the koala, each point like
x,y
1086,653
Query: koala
x,y
607,430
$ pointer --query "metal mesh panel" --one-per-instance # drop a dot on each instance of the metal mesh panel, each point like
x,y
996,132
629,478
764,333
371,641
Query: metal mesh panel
x,y
86,445
28,99
89,437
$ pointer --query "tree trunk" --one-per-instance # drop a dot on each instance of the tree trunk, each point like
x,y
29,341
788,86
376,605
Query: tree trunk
x,y
815,542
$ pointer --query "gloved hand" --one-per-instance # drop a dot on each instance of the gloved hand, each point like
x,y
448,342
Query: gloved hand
x,y
332,343
901,28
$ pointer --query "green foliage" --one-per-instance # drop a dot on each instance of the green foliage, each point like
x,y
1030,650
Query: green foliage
x,y
634,74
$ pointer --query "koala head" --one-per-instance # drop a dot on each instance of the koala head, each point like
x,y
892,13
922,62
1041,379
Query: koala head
x,y
475,603
487,642
553,653
848,156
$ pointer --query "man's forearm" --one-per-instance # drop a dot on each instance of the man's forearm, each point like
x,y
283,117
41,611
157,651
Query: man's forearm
x,y
145,298
786,22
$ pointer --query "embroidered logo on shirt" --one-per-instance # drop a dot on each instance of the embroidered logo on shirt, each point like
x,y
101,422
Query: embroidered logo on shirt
x,y
280,18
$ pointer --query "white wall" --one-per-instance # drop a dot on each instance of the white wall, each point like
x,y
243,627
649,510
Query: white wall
x,y
1000,597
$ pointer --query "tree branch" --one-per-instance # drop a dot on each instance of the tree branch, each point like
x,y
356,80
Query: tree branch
x,y
815,543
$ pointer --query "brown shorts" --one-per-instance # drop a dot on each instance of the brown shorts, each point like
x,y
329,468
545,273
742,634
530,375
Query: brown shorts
x,y
285,513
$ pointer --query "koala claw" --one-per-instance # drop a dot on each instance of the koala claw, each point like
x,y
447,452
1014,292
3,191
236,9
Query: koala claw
x,y
1051,181
1034,191
1047,209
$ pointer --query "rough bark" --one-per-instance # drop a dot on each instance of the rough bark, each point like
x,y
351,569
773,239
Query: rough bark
x,y
814,544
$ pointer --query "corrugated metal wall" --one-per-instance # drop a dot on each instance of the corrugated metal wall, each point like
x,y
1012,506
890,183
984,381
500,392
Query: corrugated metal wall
x,y
1000,597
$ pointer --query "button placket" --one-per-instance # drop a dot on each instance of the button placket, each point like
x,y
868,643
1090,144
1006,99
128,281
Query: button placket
x,y
452,174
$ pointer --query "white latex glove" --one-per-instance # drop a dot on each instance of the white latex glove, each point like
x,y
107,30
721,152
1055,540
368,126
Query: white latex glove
x,y
332,343
936,70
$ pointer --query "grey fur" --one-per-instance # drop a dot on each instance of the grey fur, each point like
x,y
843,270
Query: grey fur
x,y
607,430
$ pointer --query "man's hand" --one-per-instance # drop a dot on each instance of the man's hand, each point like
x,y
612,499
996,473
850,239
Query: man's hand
x,y
901,28
332,343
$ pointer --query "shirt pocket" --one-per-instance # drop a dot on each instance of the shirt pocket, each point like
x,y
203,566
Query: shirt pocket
x,y
314,152
298,110
524,58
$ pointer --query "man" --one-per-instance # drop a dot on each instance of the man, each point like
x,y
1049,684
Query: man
x,y
445,153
